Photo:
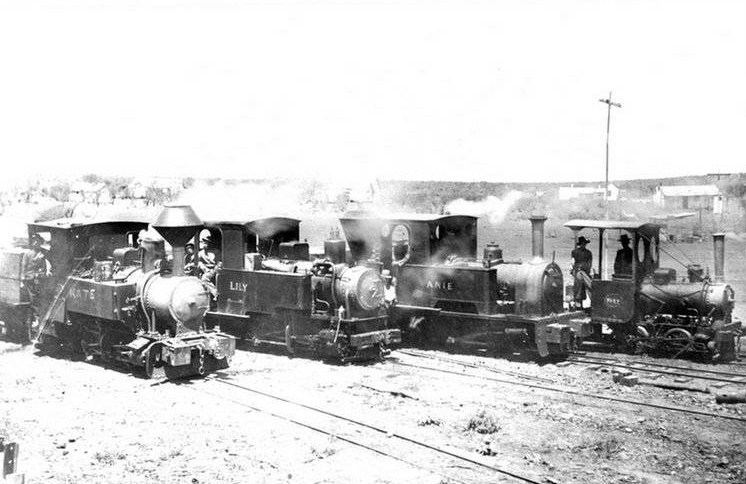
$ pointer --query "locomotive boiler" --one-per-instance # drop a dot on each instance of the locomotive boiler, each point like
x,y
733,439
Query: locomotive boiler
x,y
129,307
651,308
446,295
271,293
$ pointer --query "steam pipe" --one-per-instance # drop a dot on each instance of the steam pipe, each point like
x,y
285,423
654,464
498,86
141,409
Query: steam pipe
x,y
718,241
537,235
179,253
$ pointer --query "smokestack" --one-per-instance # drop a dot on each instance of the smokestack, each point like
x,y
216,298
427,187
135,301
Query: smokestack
x,y
718,241
177,224
537,235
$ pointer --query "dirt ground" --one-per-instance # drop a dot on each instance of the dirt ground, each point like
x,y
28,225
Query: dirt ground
x,y
78,422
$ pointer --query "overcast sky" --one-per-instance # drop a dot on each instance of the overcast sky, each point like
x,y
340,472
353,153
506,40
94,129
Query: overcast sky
x,y
450,90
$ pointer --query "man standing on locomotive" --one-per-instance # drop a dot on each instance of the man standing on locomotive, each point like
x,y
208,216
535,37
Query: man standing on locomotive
x,y
582,259
207,258
189,262
34,269
623,260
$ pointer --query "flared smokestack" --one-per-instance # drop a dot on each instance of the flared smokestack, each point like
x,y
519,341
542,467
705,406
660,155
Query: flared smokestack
x,y
177,224
718,241
537,235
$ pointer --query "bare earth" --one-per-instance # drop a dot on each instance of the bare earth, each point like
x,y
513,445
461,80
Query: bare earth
x,y
80,422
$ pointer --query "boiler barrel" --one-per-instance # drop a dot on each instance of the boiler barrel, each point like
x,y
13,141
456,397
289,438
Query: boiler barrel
x,y
183,300
539,287
688,298
362,284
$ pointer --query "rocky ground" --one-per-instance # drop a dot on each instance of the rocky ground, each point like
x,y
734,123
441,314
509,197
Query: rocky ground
x,y
79,422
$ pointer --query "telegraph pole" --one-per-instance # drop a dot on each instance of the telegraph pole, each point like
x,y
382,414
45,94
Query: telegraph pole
x,y
608,127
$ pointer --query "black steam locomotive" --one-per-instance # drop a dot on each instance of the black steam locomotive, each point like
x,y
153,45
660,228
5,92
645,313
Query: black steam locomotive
x,y
269,291
446,295
648,307
111,295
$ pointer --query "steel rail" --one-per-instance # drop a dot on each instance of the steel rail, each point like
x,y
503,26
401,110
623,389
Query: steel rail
x,y
630,366
581,393
336,435
474,365
404,438
663,365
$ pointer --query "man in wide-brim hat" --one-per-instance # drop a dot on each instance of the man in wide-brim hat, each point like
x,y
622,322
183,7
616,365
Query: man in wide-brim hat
x,y
582,260
623,260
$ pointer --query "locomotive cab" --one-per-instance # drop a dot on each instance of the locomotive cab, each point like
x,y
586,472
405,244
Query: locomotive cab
x,y
647,307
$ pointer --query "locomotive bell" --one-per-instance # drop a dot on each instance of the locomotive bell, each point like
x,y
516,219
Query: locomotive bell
x,y
177,224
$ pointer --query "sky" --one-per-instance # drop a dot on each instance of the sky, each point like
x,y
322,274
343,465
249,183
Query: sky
x,y
436,90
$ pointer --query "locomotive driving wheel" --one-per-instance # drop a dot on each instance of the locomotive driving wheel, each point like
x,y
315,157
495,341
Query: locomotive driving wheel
x,y
154,365
417,331
678,340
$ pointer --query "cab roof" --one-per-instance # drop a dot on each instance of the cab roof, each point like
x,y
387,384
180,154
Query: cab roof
x,y
264,227
409,217
644,228
70,223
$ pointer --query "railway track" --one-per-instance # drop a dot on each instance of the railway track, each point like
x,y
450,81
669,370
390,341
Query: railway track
x,y
477,365
350,433
575,392
662,369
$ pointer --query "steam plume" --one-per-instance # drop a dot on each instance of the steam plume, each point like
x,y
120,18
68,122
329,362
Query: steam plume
x,y
493,207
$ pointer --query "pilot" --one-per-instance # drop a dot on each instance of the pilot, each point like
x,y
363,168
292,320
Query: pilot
x,y
581,269
623,260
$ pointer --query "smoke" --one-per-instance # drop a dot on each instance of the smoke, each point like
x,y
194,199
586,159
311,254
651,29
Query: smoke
x,y
495,208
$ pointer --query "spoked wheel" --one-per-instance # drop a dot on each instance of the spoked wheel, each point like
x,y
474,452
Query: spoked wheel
x,y
678,340
417,330
154,366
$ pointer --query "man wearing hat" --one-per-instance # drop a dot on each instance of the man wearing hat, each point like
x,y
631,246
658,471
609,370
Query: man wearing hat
x,y
34,269
623,260
582,260
207,258
189,262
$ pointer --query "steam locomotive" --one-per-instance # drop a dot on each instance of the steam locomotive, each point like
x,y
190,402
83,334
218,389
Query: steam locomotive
x,y
271,292
649,308
446,295
112,295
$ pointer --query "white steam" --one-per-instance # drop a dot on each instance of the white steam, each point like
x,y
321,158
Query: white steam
x,y
495,208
